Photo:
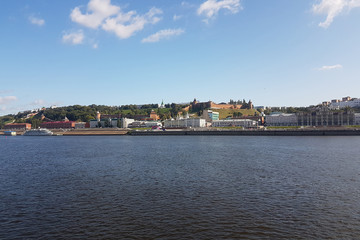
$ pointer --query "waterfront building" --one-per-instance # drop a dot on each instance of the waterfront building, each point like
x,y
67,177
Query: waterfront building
x,y
357,118
246,123
125,122
18,126
104,123
325,117
58,124
210,115
185,123
281,119
260,119
144,124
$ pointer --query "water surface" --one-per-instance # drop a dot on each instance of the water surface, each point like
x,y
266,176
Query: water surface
x,y
179,187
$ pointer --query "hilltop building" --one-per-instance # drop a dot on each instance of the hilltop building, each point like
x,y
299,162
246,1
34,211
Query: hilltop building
x,y
345,102
153,115
211,105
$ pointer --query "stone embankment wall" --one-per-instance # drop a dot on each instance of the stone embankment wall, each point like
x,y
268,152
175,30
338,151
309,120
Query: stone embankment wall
x,y
350,132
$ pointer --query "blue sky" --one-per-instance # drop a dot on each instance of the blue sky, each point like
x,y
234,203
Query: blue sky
x,y
276,53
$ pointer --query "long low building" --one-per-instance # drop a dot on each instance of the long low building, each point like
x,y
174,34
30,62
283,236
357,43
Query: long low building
x,y
58,124
18,126
281,119
185,123
246,123
314,118
104,123
144,124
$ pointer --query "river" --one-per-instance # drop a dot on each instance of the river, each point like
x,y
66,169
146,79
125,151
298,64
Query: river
x,y
179,187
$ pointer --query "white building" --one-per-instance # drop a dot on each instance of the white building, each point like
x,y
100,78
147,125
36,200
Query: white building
x,y
281,119
184,123
126,121
346,102
246,123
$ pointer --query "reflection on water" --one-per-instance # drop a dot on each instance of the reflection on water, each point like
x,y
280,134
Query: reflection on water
x,y
180,187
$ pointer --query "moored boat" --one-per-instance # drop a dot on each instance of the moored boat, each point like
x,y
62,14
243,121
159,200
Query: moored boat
x,y
38,132
10,133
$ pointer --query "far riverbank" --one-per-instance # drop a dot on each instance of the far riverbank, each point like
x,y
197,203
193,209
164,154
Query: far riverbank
x,y
323,131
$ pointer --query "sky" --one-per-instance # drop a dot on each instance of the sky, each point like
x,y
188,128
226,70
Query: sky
x,y
117,52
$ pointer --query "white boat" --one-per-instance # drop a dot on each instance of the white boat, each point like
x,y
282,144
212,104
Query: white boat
x,y
38,132
10,133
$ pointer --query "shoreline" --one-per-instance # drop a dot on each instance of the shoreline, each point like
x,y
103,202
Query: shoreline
x,y
206,132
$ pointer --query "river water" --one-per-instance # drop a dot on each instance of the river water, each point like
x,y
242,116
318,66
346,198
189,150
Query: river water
x,y
179,187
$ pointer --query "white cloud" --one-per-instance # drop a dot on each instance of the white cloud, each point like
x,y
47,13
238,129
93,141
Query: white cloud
x,y
163,34
101,13
210,8
124,25
7,99
36,21
177,17
331,67
38,102
73,38
333,8
95,46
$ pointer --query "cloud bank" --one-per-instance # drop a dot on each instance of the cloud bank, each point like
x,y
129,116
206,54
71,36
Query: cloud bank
x,y
163,34
331,67
7,99
210,8
74,38
333,8
111,18
36,21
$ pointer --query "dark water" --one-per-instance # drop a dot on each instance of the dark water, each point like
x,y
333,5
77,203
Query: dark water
x,y
180,187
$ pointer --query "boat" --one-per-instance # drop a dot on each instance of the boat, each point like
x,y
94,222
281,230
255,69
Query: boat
x,y
38,132
10,133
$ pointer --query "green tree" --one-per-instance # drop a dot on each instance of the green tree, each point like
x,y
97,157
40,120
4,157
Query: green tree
x,y
107,123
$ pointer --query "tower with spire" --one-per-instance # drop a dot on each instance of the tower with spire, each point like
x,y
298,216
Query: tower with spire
x,y
162,104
